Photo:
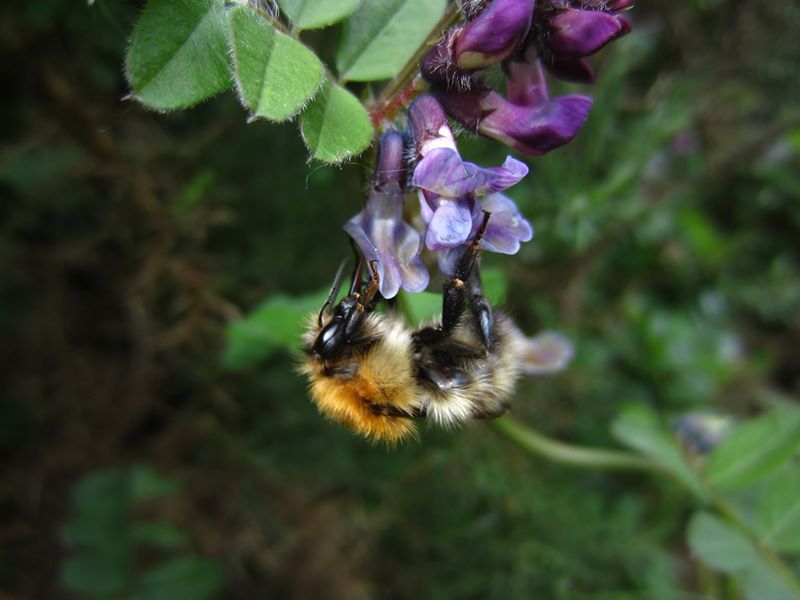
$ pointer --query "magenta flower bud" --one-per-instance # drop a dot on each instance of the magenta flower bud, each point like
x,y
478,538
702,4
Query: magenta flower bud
x,y
533,130
575,70
578,33
493,35
525,83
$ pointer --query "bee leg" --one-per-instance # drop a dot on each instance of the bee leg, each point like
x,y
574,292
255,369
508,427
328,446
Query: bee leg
x,y
493,413
464,291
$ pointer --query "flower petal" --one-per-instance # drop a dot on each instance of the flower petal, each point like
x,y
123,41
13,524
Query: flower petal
x,y
450,226
538,129
544,354
506,227
578,33
443,172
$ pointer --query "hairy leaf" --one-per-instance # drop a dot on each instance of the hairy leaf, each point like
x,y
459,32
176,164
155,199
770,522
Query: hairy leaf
x,y
382,35
335,126
275,74
312,14
178,54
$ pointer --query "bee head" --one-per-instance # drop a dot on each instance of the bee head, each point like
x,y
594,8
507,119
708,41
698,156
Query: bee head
x,y
343,327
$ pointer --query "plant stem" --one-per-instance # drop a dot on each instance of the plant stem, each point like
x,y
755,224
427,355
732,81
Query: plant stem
x,y
397,92
576,456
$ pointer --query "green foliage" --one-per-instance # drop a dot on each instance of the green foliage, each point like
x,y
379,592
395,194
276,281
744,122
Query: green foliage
x,y
755,449
277,324
106,541
639,428
382,35
178,54
312,14
777,518
335,126
275,74
721,546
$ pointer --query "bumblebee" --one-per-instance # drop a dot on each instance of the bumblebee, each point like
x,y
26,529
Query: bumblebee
x,y
374,374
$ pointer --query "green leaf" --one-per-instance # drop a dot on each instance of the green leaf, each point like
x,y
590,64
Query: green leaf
x,y
719,545
726,549
761,583
422,307
161,535
275,74
185,578
277,324
638,427
312,14
104,572
178,54
335,126
755,449
382,35
778,513
146,484
495,284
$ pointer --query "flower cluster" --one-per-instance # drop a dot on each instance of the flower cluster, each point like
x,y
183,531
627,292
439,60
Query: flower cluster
x,y
523,36
453,196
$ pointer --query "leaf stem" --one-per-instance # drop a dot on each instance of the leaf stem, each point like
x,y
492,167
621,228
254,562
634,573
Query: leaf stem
x,y
404,86
576,456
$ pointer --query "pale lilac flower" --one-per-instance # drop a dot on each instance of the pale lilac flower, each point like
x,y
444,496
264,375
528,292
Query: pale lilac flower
x,y
544,354
449,188
380,231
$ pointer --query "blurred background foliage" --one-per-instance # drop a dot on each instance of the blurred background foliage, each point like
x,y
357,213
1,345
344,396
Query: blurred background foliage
x,y
156,445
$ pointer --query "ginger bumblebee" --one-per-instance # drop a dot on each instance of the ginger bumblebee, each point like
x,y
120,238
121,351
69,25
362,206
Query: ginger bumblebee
x,y
374,374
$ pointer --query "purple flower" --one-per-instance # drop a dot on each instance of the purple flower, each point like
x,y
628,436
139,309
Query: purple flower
x,y
380,231
566,32
533,129
493,35
449,189
576,33
544,354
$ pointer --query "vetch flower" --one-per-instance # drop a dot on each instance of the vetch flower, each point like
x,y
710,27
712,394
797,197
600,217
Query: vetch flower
x,y
544,354
577,33
449,186
380,231
564,33
506,229
533,129
493,34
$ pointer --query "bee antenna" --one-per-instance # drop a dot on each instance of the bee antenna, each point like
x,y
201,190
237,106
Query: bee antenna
x,y
337,283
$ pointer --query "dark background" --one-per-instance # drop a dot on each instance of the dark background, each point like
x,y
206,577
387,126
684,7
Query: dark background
x,y
666,248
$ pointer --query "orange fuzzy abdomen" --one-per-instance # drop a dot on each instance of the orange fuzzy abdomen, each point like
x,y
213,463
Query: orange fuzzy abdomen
x,y
357,403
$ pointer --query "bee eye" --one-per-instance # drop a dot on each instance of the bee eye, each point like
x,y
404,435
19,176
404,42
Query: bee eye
x,y
328,339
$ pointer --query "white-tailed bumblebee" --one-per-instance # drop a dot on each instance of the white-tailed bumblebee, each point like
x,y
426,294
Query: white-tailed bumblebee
x,y
373,373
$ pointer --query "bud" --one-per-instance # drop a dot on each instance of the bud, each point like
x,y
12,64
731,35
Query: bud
x,y
493,35
428,124
531,129
389,167
577,33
